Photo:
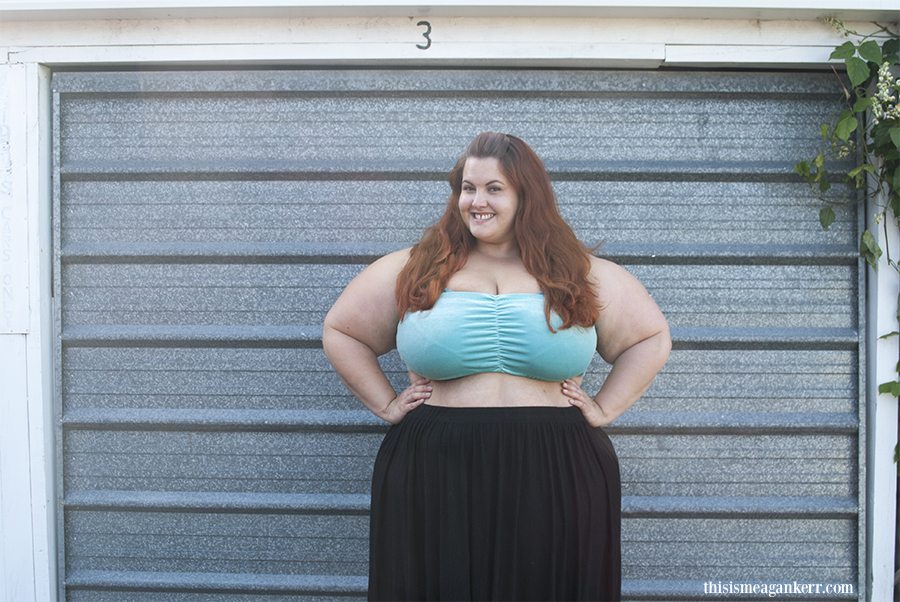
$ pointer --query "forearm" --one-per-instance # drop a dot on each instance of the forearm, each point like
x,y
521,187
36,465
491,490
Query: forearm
x,y
358,368
632,374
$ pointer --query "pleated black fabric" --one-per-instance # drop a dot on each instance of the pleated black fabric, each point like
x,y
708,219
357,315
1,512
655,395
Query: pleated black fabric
x,y
495,504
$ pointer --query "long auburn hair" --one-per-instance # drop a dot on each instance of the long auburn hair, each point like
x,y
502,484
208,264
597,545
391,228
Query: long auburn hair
x,y
550,250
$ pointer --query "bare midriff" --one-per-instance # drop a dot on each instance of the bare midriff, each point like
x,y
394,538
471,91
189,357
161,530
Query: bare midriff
x,y
495,389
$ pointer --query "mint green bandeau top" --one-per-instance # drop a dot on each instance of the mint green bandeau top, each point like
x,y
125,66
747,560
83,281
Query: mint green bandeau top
x,y
470,333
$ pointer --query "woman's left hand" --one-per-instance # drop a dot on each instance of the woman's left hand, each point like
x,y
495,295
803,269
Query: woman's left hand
x,y
588,406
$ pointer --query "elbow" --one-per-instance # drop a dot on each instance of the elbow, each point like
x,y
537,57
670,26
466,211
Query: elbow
x,y
663,341
330,334
655,349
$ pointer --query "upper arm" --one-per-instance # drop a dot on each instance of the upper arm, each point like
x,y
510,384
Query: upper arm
x,y
367,309
628,314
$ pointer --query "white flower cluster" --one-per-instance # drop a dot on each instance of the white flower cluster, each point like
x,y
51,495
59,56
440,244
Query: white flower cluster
x,y
843,150
885,105
837,24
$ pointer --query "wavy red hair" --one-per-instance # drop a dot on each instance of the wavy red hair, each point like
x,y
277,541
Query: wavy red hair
x,y
550,250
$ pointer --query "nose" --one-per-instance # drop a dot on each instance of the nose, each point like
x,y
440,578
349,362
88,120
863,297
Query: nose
x,y
479,200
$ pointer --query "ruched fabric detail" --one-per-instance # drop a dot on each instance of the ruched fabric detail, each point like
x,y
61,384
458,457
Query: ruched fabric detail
x,y
495,503
469,333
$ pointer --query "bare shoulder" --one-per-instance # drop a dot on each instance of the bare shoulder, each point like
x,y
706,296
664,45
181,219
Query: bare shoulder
x,y
383,272
604,267
397,258
613,281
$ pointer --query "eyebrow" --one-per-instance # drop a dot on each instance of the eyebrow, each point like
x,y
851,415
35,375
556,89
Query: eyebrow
x,y
487,184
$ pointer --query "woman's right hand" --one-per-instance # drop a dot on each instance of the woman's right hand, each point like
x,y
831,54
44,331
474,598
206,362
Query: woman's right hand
x,y
411,397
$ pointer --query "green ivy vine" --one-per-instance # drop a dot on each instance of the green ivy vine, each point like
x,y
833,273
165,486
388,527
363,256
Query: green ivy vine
x,y
865,127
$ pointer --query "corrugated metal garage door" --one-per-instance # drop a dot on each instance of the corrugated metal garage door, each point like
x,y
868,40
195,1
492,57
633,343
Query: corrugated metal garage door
x,y
206,221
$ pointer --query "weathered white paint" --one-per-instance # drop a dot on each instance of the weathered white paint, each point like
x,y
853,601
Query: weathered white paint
x,y
709,56
39,342
27,506
564,42
380,30
712,9
882,419
17,578
559,55
13,228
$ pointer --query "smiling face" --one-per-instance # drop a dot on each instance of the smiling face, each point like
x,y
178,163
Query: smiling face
x,y
488,202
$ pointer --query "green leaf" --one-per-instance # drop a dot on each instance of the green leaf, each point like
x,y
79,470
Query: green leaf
x,y
858,170
871,52
802,169
895,136
824,186
862,104
890,49
889,335
824,131
826,217
857,70
819,161
869,249
892,387
846,125
844,51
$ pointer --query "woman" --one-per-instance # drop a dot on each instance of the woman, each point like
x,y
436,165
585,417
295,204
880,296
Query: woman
x,y
493,482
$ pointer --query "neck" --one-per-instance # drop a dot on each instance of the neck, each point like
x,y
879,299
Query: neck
x,y
501,251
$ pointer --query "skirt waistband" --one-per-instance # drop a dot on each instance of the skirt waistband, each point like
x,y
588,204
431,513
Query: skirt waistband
x,y
547,414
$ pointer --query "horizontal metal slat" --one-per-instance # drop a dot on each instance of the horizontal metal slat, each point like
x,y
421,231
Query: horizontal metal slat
x,y
335,585
453,81
269,503
103,335
219,502
241,253
420,170
737,423
224,420
765,338
225,170
349,252
192,336
734,507
635,422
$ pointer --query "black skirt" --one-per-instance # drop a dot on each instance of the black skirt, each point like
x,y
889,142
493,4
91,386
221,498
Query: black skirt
x,y
495,504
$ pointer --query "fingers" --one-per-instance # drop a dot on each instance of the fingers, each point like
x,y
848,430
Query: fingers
x,y
575,393
414,395
578,398
421,389
410,398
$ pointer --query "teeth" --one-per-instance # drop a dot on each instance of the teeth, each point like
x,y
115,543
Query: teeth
x,y
483,215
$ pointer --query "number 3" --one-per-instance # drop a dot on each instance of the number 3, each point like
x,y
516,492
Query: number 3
x,y
425,35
